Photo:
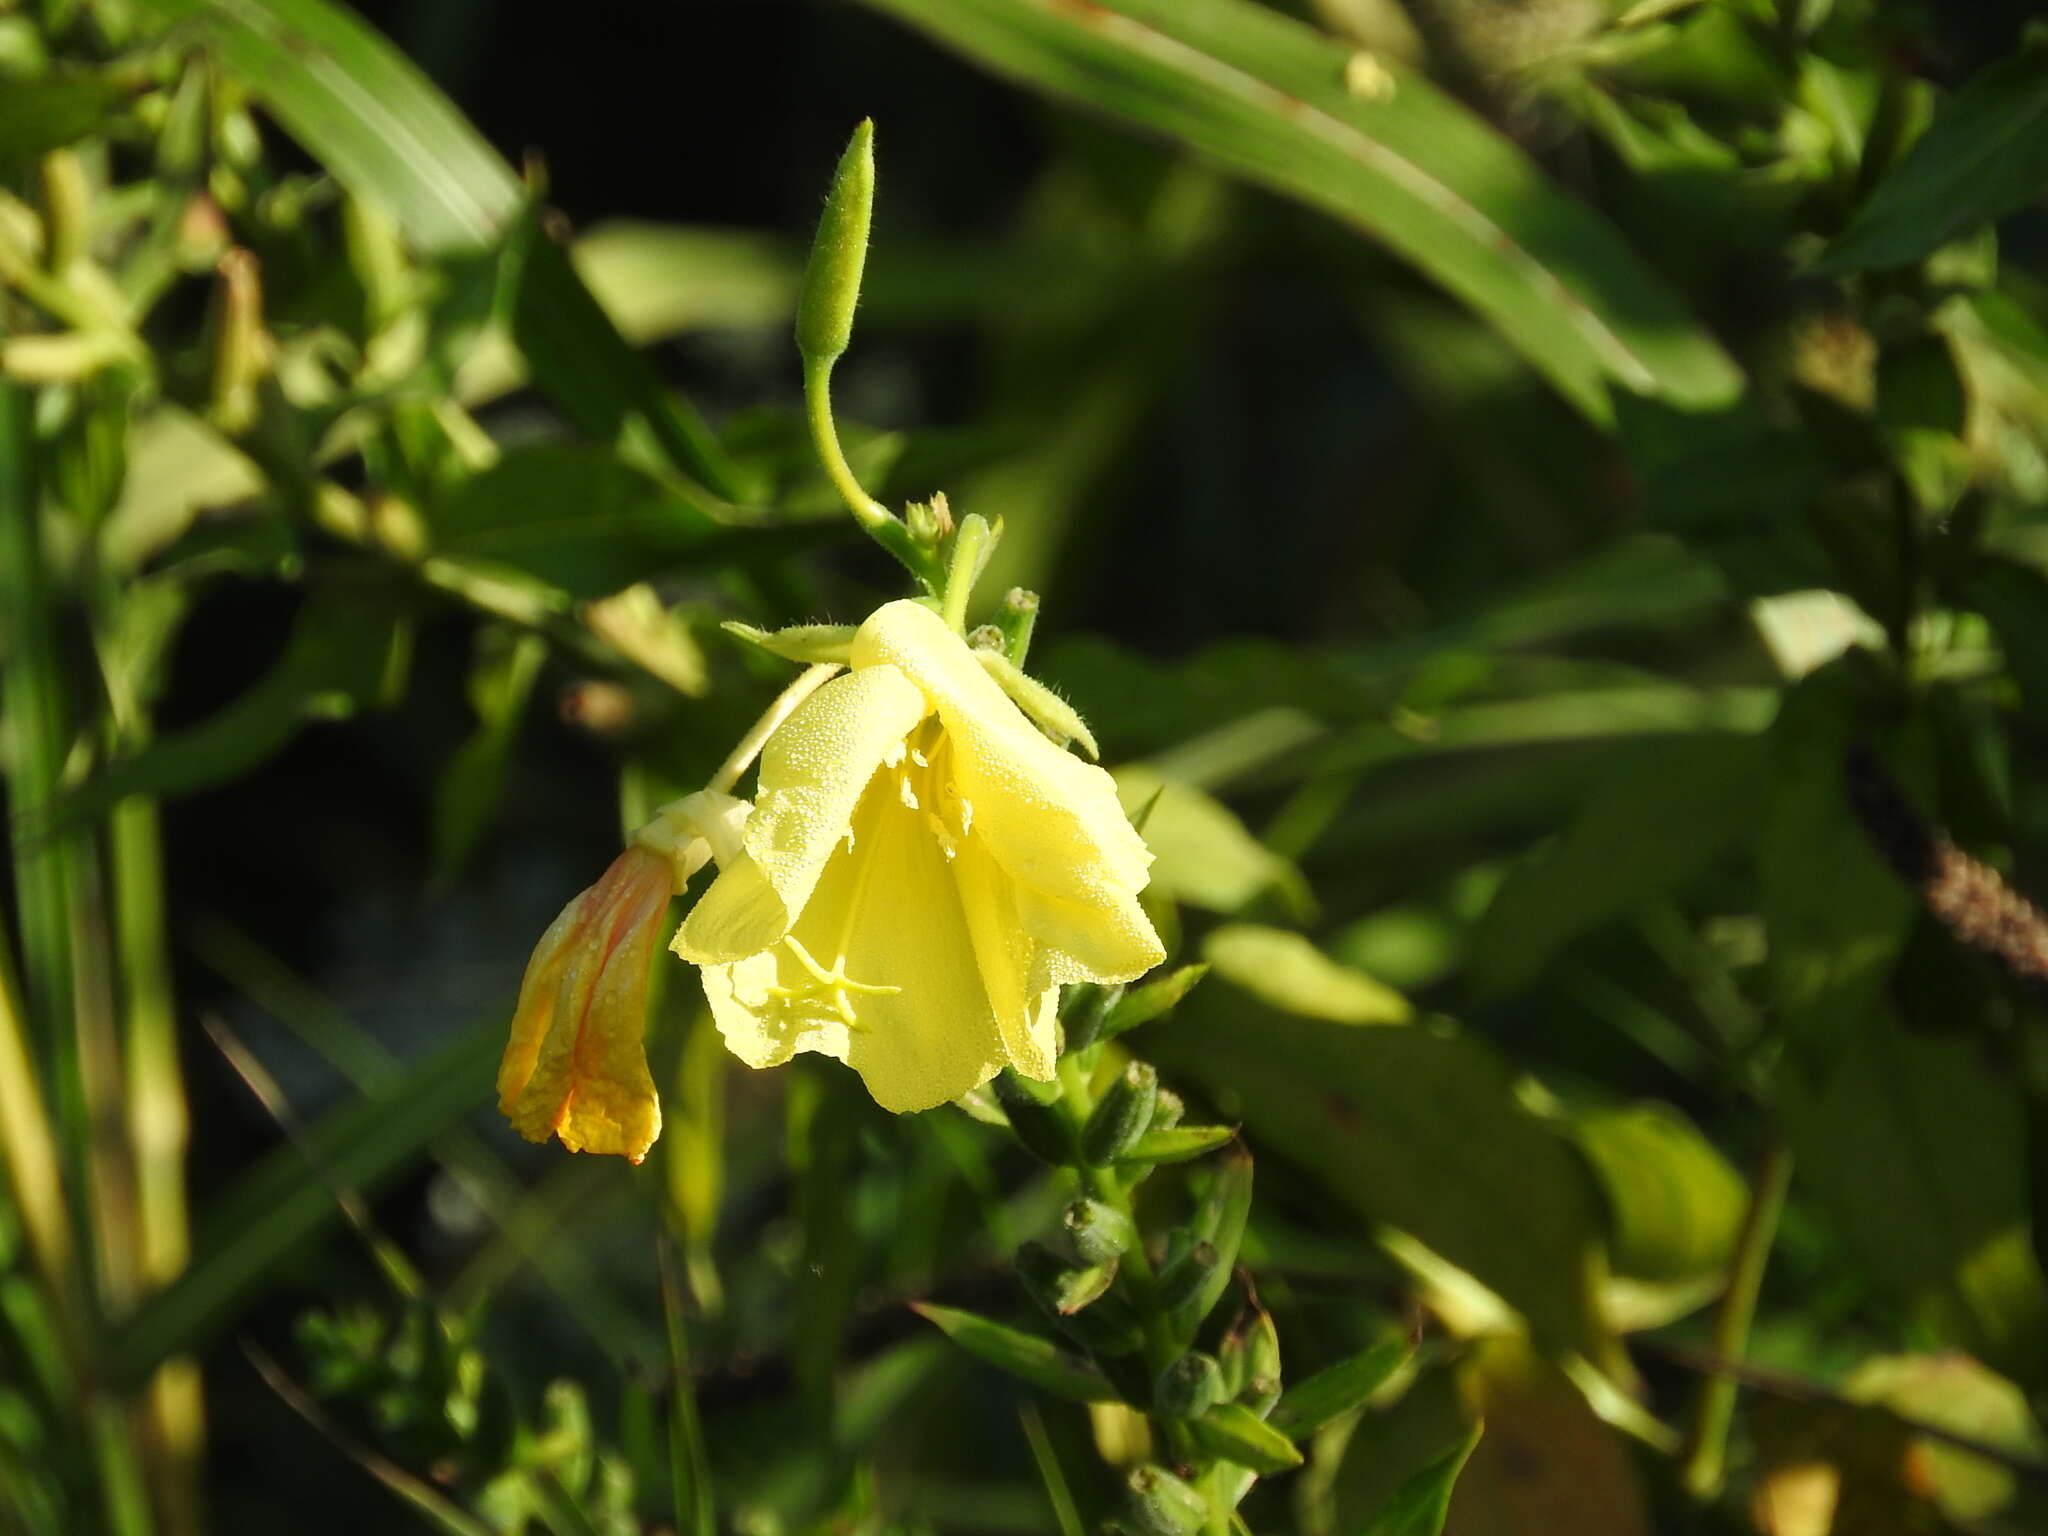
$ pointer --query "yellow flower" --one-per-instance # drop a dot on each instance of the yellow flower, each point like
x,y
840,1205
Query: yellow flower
x,y
921,872
575,1066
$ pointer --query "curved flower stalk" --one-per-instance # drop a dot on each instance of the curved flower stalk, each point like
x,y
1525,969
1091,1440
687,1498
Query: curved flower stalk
x,y
922,871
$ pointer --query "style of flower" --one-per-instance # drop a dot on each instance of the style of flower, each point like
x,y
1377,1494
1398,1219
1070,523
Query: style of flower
x,y
575,1066
921,872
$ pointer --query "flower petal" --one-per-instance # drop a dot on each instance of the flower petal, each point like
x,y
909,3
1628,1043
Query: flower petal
x,y
1008,956
1108,940
760,1029
813,772
1051,821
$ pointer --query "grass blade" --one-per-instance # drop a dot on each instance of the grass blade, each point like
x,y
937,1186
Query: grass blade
x,y
1265,96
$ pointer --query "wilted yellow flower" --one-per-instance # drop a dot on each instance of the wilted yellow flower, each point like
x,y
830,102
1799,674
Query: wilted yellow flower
x,y
575,1066
921,872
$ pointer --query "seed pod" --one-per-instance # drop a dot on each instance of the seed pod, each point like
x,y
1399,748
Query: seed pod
x,y
1098,1232
1188,1388
1121,1116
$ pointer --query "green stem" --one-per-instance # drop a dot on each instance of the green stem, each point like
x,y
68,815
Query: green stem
x,y
29,1144
876,520
158,1130
867,511
1134,1273
961,569
31,697
1704,1460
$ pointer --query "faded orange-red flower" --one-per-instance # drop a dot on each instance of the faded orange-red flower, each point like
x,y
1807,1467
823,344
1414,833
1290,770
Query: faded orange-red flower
x,y
576,1065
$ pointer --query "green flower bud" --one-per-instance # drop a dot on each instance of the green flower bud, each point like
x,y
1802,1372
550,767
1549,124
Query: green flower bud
x,y
1261,1388
1041,1123
1188,1388
1163,1505
1061,1288
1186,1288
1098,1232
1121,1116
831,286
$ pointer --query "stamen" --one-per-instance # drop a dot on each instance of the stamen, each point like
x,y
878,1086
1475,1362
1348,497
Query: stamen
x,y
835,982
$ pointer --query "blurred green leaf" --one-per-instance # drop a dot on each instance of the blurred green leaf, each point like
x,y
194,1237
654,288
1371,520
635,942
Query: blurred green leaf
x,y
265,1217
1267,97
1635,840
1202,854
1836,915
2014,597
1287,971
1337,1389
573,516
590,371
1984,156
349,648
368,114
1420,1505
46,112
1674,1204
1421,1128
466,794
1915,1147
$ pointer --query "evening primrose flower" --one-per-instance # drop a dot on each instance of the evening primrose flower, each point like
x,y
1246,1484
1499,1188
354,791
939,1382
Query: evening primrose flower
x,y
921,872
575,1066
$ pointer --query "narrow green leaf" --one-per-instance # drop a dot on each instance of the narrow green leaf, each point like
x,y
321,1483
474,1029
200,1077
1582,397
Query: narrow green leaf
x,y
1420,1505
281,1201
366,112
1233,1432
1984,156
1337,1389
1141,1005
1266,96
1177,1143
1042,1363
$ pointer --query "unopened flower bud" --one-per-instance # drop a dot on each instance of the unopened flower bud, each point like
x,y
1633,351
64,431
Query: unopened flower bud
x,y
831,286
1189,1387
1121,1116
1162,1505
1098,1232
